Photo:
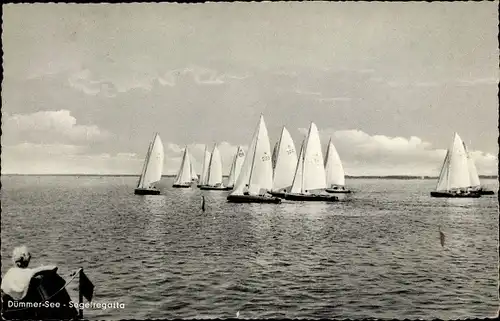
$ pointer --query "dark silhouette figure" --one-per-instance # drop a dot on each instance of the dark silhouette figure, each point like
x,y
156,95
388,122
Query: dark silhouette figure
x,y
203,203
441,237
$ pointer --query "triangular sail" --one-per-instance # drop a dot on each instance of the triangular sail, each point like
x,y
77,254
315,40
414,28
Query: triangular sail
x,y
238,159
204,171
455,172
184,176
299,172
333,167
153,166
215,168
310,171
285,162
442,184
473,175
256,172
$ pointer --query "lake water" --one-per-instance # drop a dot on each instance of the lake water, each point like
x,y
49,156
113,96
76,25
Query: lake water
x,y
375,254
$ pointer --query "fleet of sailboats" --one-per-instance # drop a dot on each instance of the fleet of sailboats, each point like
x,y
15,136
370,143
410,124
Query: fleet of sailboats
x,y
264,177
152,168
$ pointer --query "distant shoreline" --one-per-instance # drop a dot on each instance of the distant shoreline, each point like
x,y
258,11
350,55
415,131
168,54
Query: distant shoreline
x,y
226,176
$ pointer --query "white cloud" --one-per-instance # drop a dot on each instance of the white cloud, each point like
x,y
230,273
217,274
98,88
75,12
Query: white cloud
x,y
364,154
56,123
83,81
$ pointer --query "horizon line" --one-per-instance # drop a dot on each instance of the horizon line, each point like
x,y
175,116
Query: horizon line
x,y
402,176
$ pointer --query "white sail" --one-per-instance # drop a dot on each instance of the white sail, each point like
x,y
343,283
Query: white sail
x,y
442,184
204,170
238,159
256,172
285,162
153,164
215,168
333,167
299,172
473,175
455,172
310,171
184,174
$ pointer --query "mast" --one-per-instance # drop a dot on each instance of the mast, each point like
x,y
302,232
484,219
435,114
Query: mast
x,y
210,163
179,174
146,160
304,156
254,152
278,147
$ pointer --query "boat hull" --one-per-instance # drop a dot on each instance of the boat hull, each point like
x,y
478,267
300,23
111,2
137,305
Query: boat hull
x,y
487,192
146,191
215,188
252,199
454,195
337,191
277,194
181,185
311,198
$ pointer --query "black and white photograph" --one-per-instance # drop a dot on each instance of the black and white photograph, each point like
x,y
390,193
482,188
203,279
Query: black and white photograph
x,y
250,160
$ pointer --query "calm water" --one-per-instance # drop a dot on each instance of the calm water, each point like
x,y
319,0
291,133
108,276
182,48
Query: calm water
x,y
377,254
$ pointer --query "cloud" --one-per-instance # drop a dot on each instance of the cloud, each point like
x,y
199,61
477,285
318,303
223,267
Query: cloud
x,y
200,76
83,81
364,154
31,158
52,123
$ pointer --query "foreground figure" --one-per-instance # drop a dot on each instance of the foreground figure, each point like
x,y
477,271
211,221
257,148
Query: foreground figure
x,y
152,169
454,178
256,175
34,294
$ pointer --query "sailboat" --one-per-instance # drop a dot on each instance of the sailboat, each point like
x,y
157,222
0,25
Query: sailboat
x,y
152,168
256,176
204,169
284,165
454,178
214,175
310,171
184,176
335,176
238,159
474,177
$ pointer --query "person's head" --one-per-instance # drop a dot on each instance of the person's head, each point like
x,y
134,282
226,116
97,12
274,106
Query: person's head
x,y
21,256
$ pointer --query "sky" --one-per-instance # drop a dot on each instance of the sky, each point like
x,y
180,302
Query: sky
x,y
86,86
